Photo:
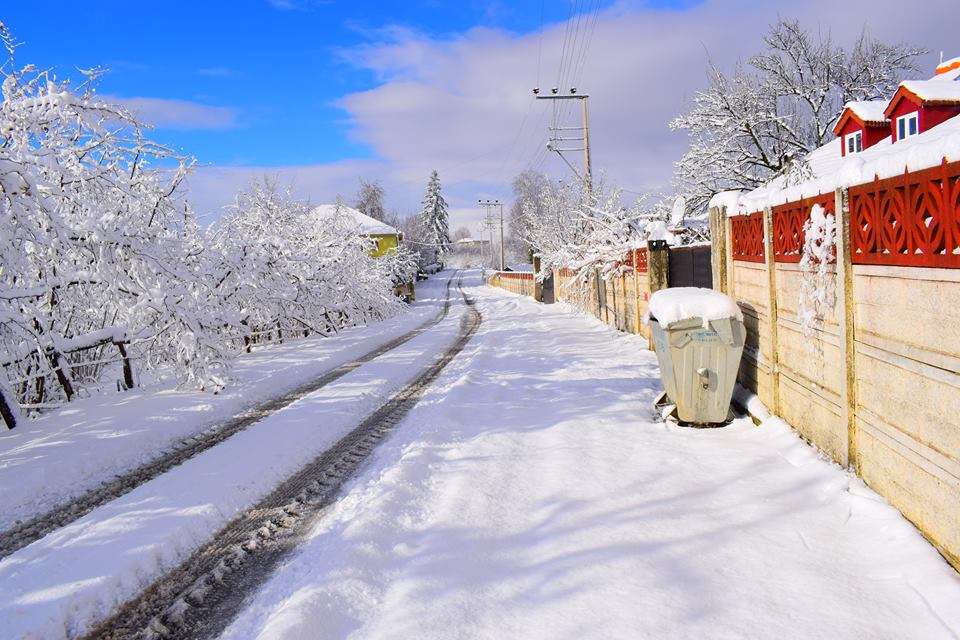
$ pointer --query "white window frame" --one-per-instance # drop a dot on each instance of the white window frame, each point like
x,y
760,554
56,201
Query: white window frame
x,y
853,142
903,125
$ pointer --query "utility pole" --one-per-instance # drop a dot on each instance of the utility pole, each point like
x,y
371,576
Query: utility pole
x,y
557,140
495,203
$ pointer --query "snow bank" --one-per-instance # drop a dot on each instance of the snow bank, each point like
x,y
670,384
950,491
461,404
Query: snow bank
x,y
682,303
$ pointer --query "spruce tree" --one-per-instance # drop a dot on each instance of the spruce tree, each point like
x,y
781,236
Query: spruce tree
x,y
433,217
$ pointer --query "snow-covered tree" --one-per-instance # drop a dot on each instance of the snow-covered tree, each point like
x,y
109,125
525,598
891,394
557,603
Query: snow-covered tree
x,y
105,275
568,228
282,271
759,121
370,200
528,187
434,218
99,257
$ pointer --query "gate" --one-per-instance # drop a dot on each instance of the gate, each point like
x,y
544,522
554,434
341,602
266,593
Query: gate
x,y
690,267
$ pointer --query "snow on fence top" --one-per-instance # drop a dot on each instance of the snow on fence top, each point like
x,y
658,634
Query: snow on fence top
x,y
365,223
668,306
830,170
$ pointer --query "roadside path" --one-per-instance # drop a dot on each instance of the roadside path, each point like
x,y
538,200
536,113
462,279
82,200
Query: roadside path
x,y
533,494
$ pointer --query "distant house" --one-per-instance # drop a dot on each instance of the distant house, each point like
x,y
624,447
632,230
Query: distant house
x,y
386,237
916,107
471,243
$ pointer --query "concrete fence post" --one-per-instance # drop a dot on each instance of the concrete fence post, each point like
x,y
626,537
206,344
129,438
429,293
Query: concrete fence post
x,y
658,270
537,285
718,251
847,321
658,265
772,312
637,320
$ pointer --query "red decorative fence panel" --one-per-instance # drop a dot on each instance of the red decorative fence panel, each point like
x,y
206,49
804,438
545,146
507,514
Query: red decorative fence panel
x,y
515,275
911,220
788,221
747,237
637,259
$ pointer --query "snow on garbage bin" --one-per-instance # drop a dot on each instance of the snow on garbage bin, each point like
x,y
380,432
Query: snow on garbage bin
x,y
698,336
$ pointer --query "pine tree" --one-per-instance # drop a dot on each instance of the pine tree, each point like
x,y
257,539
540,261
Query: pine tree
x,y
433,217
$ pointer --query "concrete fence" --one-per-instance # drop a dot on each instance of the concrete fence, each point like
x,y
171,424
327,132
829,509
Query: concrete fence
x,y
621,300
877,384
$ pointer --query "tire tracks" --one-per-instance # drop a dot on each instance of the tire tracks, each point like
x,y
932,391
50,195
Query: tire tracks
x,y
199,598
33,529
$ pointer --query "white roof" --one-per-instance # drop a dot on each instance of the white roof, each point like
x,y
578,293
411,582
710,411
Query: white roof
x,y
365,223
939,89
830,170
870,111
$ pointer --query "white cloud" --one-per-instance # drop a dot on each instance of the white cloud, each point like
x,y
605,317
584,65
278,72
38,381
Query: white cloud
x,y
165,113
216,72
462,104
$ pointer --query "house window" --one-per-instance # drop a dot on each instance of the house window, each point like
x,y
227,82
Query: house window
x,y
854,142
907,126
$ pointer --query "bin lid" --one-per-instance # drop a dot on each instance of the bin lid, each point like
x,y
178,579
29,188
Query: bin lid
x,y
678,304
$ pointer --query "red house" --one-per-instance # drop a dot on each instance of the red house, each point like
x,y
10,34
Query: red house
x,y
920,105
917,106
862,125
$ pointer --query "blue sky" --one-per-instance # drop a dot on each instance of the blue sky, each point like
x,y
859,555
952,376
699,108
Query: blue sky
x,y
277,68
322,93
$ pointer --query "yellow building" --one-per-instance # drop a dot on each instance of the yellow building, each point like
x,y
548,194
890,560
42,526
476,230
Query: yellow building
x,y
385,236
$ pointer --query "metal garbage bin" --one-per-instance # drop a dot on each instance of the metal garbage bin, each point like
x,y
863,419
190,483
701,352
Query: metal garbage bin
x,y
698,335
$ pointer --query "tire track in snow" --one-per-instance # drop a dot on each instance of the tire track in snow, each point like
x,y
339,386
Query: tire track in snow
x,y
19,536
199,598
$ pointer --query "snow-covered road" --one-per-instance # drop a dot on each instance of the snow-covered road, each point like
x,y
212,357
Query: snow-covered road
x,y
531,494
61,455
62,585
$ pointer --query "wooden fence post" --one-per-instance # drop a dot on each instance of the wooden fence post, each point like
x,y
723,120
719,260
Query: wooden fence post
x,y
847,321
718,252
772,313
9,409
128,381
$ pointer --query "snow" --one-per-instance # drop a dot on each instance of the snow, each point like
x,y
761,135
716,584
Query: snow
x,y
64,583
831,171
951,66
870,111
364,223
46,461
937,90
818,285
675,304
490,514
